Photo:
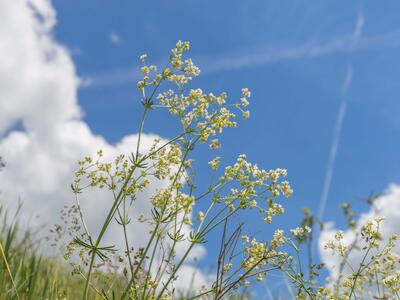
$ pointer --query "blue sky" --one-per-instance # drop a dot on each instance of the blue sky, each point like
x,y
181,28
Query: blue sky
x,y
304,61
296,96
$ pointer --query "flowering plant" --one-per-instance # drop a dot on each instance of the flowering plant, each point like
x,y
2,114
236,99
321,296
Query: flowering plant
x,y
151,271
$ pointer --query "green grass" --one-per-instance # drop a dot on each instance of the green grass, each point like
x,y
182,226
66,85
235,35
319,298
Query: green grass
x,y
25,273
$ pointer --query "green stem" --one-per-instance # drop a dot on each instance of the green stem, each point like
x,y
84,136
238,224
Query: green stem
x,y
149,268
170,254
158,223
140,131
359,272
203,232
175,270
9,270
219,222
300,283
200,295
128,253
108,219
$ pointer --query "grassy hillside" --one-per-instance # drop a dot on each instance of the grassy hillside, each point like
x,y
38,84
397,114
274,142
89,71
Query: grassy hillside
x,y
25,273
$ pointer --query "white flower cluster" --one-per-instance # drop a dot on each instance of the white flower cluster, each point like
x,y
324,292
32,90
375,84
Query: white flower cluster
x,y
299,231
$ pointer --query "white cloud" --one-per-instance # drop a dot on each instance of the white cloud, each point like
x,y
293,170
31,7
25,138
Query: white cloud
x,y
38,89
387,205
115,38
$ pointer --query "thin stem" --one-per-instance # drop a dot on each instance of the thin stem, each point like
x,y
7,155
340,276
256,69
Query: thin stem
x,y
91,285
200,295
8,270
359,271
219,222
171,252
87,283
149,268
310,253
128,252
175,270
203,232
345,260
82,219
228,287
377,283
104,228
300,283
113,210
158,222
140,131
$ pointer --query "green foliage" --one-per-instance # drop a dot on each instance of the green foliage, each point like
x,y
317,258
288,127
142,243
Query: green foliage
x,y
26,274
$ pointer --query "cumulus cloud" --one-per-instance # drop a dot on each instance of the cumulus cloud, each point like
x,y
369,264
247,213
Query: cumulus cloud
x,y
42,134
387,206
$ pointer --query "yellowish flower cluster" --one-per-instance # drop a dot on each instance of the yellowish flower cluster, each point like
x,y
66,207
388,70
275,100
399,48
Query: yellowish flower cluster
x,y
227,267
279,238
392,282
300,231
95,173
177,62
179,202
244,102
370,232
166,161
253,182
180,73
256,254
258,259
215,144
214,163
200,216
377,272
204,113
337,244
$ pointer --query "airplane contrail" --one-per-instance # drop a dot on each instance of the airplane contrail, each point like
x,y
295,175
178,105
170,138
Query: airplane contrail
x,y
335,143
339,121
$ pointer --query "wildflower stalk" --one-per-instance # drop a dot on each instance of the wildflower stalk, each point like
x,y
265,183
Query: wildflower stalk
x,y
108,219
149,268
170,255
157,224
112,211
359,271
199,234
160,275
128,252
233,284
175,270
201,294
201,116
299,282
91,285
82,219
146,108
